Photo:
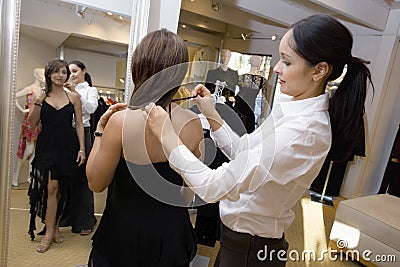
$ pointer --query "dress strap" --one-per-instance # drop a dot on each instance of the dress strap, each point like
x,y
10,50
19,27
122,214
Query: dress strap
x,y
67,96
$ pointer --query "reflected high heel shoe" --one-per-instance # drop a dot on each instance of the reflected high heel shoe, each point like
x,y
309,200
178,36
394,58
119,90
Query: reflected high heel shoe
x,y
85,232
43,246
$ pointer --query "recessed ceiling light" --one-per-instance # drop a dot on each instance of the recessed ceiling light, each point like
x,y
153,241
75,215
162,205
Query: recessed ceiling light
x,y
274,37
121,18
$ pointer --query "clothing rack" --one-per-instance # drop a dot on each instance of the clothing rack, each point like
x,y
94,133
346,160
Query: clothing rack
x,y
114,93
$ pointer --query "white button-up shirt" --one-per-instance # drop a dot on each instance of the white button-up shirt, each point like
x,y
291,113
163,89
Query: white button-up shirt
x,y
89,99
269,169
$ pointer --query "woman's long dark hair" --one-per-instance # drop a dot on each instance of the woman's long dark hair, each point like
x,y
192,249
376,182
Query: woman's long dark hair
x,y
322,38
159,64
51,67
82,66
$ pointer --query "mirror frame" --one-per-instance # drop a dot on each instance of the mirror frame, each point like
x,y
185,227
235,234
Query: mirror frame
x,y
9,30
139,27
10,18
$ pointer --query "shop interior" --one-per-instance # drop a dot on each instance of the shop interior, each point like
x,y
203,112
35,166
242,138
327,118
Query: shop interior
x,y
100,39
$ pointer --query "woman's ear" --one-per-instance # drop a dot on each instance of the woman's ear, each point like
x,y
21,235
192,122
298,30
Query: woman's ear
x,y
321,71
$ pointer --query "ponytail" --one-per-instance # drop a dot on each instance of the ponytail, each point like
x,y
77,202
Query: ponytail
x,y
88,79
346,109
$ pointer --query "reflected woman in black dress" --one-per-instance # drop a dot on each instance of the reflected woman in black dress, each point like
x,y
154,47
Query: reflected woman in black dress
x,y
56,150
137,228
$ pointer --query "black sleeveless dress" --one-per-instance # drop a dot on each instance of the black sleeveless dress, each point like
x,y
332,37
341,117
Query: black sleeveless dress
x,y
138,230
55,152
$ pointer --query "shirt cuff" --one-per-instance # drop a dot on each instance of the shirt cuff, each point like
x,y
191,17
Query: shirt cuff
x,y
225,138
222,134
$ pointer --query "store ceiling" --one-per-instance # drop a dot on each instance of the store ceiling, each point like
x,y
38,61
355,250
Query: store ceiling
x,y
75,41
372,14
234,17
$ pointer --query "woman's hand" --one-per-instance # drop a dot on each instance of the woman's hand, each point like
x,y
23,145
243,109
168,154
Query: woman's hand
x,y
106,116
70,86
81,157
204,100
157,120
206,105
39,99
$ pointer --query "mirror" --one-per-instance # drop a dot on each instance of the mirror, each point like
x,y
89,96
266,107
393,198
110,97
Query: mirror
x,y
36,31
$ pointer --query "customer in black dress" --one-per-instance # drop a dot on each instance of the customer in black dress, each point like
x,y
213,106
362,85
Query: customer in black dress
x,y
56,150
145,223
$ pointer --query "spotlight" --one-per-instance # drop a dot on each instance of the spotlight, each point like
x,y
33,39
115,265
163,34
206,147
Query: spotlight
x,y
81,11
121,18
122,80
274,37
214,5
109,13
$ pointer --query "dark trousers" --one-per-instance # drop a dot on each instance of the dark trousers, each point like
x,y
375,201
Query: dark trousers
x,y
79,210
244,250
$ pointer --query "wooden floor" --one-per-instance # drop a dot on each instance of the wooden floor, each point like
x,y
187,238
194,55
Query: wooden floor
x,y
310,230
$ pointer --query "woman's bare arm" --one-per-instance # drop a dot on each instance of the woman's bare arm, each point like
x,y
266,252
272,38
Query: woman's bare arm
x,y
106,152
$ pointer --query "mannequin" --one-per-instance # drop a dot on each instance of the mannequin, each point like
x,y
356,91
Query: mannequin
x,y
250,85
28,136
223,74
255,62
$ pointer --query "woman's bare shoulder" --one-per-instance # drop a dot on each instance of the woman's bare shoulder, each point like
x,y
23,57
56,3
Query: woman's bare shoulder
x,y
182,114
131,120
188,122
73,96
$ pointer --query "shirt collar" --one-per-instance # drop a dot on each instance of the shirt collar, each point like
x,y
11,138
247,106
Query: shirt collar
x,y
292,107
82,85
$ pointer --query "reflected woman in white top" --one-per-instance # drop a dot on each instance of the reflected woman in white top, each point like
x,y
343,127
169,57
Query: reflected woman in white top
x,y
271,168
79,212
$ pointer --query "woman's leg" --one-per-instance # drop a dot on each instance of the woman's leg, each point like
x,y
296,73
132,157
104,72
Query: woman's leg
x,y
50,218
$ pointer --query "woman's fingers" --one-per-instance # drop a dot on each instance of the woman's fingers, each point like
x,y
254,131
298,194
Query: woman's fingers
x,y
201,90
106,116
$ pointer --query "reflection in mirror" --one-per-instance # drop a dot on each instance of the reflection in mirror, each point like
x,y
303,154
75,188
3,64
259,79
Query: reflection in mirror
x,y
50,29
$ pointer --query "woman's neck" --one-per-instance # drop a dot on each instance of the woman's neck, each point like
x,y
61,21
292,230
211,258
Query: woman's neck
x,y
57,88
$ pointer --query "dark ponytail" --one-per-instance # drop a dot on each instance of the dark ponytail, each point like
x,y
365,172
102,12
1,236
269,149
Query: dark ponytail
x,y
88,79
322,38
346,108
